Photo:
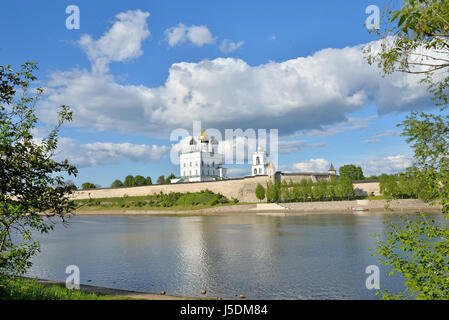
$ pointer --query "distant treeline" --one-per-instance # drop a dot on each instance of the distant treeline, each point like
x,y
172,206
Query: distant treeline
x,y
307,190
136,181
131,181
412,183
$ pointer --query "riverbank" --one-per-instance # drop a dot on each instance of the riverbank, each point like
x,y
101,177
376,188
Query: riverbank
x,y
23,288
290,208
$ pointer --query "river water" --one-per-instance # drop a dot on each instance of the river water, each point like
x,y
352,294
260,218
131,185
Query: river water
x,y
317,256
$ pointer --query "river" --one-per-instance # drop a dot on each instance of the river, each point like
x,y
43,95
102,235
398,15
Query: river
x,y
316,256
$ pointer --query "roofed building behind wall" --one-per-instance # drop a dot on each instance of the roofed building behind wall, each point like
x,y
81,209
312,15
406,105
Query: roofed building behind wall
x,y
314,176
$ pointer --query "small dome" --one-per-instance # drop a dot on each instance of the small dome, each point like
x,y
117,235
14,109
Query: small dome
x,y
214,141
192,141
203,137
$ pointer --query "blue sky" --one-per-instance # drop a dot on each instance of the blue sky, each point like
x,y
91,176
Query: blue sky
x,y
135,71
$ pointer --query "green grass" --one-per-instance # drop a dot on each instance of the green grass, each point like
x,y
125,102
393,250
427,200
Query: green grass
x,y
172,201
14,288
375,197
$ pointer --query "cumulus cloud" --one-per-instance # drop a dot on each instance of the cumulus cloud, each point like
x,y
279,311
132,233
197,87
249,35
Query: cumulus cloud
x,y
228,46
198,35
389,164
312,165
120,43
306,93
98,153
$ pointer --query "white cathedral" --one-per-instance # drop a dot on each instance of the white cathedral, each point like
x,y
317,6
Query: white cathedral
x,y
201,161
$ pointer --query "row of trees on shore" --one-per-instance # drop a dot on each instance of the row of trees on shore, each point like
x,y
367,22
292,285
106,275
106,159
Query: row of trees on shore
x,y
131,181
413,183
307,190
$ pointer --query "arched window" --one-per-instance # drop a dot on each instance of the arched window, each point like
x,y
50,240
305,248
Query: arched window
x,y
260,170
255,171
257,160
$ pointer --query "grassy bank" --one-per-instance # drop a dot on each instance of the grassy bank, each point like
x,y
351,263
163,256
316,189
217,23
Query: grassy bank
x,y
29,289
171,201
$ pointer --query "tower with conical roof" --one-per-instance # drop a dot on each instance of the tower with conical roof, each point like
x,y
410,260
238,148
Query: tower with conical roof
x,y
332,170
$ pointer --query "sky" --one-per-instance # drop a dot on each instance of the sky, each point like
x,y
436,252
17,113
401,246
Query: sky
x,y
136,71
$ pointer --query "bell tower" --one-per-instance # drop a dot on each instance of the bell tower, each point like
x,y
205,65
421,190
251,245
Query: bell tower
x,y
259,163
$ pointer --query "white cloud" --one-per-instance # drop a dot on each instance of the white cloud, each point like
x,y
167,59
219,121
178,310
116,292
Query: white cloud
x,y
228,46
371,141
387,133
300,94
120,43
389,164
289,147
272,37
295,146
98,153
198,35
312,165
350,124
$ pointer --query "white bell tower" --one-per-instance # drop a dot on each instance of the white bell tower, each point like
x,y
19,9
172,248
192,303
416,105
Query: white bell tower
x,y
259,163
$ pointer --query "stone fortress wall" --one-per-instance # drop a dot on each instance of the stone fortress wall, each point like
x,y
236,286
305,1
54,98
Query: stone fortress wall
x,y
242,189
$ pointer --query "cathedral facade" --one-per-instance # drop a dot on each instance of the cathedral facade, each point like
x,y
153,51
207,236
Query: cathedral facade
x,y
201,161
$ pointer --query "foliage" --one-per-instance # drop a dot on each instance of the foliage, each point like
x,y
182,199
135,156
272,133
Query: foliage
x,y
307,190
139,181
26,289
415,41
31,182
173,200
351,171
129,181
88,186
418,249
260,192
116,184
161,179
171,176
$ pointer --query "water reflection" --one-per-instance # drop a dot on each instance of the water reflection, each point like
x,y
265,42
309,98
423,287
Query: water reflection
x,y
263,257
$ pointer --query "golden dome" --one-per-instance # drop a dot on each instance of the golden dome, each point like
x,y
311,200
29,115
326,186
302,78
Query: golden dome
x,y
203,137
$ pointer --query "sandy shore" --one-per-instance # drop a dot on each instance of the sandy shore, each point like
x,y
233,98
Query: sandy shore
x,y
291,208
